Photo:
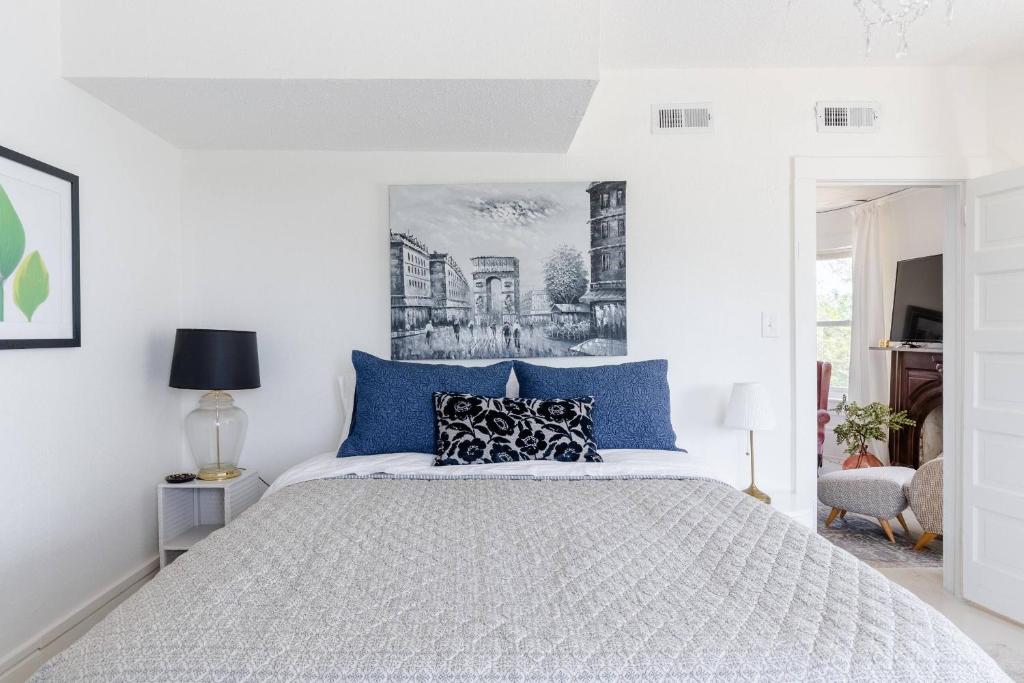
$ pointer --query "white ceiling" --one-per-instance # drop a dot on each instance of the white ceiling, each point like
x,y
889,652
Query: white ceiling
x,y
799,33
522,115
832,197
409,75
330,39
453,75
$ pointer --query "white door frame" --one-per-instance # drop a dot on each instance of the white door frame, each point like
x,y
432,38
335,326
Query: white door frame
x,y
808,172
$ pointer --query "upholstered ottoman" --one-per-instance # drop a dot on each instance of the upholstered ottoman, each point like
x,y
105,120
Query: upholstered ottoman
x,y
872,491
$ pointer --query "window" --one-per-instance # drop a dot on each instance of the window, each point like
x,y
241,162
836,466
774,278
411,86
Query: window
x,y
620,197
604,200
622,227
835,309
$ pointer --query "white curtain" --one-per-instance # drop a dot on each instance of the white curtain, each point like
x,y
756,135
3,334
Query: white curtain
x,y
869,370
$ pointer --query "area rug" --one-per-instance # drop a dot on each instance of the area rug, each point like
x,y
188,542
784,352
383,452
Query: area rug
x,y
864,539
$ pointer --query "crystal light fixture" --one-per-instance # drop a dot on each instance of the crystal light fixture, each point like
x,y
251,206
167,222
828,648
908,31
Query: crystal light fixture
x,y
875,13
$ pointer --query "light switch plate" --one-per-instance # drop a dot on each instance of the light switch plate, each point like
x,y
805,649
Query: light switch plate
x,y
769,324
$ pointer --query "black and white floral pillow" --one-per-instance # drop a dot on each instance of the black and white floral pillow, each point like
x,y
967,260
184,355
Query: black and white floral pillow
x,y
474,430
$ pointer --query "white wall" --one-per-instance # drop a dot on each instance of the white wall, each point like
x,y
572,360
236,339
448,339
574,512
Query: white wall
x,y
294,245
914,225
88,432
1005,104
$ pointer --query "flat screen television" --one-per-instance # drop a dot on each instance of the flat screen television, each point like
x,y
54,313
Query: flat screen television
x,y
917,301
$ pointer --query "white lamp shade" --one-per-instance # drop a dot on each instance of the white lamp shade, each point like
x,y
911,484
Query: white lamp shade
x,y
749,407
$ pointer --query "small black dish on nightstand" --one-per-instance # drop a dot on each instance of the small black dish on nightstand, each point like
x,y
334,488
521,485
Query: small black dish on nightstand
x,y
180,478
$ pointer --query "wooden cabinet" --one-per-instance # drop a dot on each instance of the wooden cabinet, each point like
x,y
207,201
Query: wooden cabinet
x,y
915,385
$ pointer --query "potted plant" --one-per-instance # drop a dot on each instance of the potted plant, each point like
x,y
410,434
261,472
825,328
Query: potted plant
x,y
863,424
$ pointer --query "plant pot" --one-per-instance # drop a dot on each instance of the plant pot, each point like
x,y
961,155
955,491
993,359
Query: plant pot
x,y
862,459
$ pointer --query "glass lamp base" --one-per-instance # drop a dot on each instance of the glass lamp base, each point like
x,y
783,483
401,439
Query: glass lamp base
x,y
218,474
216,432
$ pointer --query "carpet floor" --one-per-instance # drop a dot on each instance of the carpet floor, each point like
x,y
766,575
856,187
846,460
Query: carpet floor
x,y
863,538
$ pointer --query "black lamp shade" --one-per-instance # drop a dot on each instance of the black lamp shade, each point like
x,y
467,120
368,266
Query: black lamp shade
x,y
215,359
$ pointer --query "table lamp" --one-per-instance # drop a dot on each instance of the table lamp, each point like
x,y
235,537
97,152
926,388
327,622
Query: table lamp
x,y
750,409
215,361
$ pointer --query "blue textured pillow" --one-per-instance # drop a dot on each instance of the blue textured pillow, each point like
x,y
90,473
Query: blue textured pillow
x,y
394,401
631,400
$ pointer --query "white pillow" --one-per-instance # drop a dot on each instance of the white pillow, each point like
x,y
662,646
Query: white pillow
x,y
347,399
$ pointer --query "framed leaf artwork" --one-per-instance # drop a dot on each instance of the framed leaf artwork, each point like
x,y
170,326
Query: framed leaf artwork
x,y
39,288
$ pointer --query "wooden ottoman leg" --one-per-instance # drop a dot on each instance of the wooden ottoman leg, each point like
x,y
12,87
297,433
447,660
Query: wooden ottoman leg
x,y
842,514
887,529
903,523
925,539
832,517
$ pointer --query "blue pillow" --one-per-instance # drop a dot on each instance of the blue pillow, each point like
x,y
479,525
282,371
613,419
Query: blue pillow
x,y
394,402
631,400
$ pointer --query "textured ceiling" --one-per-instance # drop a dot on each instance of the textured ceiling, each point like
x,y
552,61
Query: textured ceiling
x,y
389,115
330,39
832,197
455,75
446,75
799,33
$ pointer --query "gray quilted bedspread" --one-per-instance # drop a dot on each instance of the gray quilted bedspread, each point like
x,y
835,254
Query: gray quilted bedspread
x,y
538,580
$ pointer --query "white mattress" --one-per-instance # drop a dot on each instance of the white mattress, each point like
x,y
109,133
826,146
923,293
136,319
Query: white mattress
x,y
616,463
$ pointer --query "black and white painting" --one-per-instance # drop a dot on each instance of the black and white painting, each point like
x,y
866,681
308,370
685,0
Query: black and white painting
x,y
508,270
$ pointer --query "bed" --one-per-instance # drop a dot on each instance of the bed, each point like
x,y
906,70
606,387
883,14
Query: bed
x,y
639,568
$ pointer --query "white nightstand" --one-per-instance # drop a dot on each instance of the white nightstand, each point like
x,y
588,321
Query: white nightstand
x,y
187,513
789,503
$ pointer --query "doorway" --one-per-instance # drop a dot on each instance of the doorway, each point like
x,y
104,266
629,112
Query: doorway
x,y
879,340
896,173
983,358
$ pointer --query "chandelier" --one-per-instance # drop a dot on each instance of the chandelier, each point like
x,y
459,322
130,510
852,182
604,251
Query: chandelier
x,y
900,13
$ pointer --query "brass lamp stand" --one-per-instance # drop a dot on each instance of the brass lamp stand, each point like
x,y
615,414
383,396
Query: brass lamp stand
x,y
752,490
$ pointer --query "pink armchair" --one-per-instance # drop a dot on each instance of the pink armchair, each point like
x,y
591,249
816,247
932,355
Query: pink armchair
x,y
824,380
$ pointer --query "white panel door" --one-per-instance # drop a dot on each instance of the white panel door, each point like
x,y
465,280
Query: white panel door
x,y
993,447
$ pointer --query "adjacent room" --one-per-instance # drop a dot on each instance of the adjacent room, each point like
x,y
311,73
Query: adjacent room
x,y
439,340
879,277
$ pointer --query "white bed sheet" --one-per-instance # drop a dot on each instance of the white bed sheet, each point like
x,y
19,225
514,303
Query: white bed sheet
x,y
616,462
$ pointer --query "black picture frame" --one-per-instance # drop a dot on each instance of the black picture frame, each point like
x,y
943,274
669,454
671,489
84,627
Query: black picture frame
x,y
75,340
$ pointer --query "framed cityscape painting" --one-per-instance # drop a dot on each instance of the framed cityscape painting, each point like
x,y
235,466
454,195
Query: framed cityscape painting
x,y
39,292
508,270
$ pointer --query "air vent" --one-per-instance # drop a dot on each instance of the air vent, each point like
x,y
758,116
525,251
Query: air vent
x,y
681,118
848,117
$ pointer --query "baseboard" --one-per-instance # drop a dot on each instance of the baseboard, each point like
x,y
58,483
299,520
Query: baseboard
x,y
809,518
22,662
